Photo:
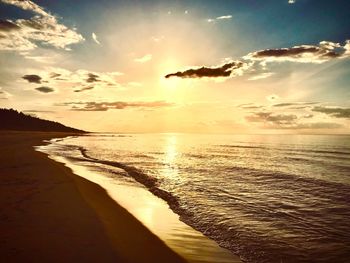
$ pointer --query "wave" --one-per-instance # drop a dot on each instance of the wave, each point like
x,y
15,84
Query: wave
x,y
248,244
151,183
286,149
262,206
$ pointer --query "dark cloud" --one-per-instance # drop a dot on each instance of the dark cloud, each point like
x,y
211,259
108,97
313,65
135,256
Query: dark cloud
x,y
280,119
320,53
249,106
84,89
7,26
37,111
92,78
294,104
334,112
223,71
305,53
45,89
289,121
317,125
54,75
32,78
284,104
118,105
294,52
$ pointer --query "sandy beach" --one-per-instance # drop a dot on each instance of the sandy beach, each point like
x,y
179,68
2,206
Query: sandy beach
x,y
48,214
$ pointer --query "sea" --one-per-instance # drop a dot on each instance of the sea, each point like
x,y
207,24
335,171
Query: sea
x,y
265,198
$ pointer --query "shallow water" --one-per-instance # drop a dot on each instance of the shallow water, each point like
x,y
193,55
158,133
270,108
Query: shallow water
x,y
267,198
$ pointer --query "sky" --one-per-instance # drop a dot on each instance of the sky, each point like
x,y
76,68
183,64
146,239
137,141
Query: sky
x,y
238,66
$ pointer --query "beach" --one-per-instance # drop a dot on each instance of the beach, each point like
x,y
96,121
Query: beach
x,y
48,214
260,197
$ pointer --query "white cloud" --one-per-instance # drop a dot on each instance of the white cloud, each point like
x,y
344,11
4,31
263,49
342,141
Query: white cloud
x,y
157,39
41,59
211,20
144,59
42,28
27,5
224,17
291,1
262,76
94,37
347,48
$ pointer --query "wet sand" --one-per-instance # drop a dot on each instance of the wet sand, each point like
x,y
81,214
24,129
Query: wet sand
x,y
48,214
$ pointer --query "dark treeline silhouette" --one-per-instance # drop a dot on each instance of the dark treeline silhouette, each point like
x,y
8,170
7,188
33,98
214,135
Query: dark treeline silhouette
x,y
11,119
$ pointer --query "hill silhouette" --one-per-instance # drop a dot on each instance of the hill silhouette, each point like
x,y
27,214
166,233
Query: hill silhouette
x,y
11,119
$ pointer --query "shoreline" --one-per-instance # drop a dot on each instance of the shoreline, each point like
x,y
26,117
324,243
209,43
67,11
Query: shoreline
x,y
151,210
50,214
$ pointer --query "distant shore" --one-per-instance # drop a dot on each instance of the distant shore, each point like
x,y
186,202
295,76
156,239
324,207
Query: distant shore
x,y
49,214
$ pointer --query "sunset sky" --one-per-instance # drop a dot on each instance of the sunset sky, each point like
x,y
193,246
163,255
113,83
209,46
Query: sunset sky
x,y
239,66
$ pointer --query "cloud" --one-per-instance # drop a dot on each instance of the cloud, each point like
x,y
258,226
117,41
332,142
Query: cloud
x,y
280,119
325,51
32,78
7,26
288,121
94,37
80,79
116,105
318,125
54,75
37,111
157,39
92,78
144,59
43,28
40,59
336,112
249,106
226,17
4,95
45,89
291,1
308,116
263,75
27,5
287,104
84,89
347,48
223,71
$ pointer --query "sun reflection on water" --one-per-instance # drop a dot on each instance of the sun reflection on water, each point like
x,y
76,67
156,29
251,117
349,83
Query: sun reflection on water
x,y
171,153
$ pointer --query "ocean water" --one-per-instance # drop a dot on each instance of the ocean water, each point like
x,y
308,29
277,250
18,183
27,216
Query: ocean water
x,y
266,198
